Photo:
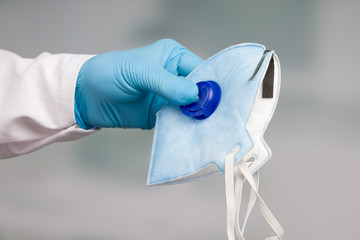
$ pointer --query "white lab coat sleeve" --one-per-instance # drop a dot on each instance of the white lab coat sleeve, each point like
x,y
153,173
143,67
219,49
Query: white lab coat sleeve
x,y
37,101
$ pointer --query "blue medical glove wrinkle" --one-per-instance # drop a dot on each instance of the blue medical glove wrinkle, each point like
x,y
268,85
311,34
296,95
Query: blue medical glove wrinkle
x,y
127,88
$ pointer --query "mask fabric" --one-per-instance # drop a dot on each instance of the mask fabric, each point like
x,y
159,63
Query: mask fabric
x,y
230,141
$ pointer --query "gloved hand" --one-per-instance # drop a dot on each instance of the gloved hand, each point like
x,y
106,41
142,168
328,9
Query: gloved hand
x,y
127,88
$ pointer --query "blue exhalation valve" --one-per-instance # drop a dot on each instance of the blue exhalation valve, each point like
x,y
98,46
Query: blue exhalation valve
x,y
206,103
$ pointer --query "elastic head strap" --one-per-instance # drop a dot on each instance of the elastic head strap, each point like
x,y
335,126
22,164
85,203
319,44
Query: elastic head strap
x,y
234,180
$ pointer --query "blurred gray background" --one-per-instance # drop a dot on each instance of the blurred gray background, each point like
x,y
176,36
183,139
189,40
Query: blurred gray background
x,y
94,188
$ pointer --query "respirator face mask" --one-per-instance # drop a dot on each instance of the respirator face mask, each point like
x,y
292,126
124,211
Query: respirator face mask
x,y
222,132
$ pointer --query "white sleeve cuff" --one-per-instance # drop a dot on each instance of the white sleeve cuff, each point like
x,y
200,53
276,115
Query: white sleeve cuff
x,y
66,101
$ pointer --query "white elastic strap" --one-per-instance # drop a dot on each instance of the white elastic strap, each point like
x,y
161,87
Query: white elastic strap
x,y
274,224
239,182
251,203
234,195
230,200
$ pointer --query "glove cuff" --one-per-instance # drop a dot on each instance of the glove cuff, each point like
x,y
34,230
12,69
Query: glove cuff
x,y
77,105
78,118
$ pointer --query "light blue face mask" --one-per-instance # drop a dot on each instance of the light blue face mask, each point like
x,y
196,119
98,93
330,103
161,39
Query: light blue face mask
x,y
229,141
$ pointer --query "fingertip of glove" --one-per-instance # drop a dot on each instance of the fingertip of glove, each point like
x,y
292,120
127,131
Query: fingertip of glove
x,y
188,92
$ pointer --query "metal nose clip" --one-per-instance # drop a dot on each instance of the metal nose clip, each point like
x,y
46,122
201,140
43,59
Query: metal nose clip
x,y
259,65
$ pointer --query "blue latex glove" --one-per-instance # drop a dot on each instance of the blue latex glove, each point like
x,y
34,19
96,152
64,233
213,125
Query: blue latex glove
x,y
127,88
